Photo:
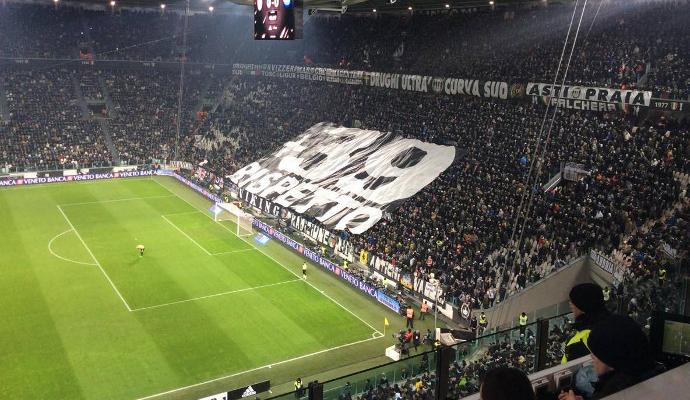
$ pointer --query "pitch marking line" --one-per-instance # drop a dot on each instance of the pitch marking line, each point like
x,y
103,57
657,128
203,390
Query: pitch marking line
x,y
233,251
258,368
94,258
188,237
274,260
115,200
50,249
216,295
183,212
309,283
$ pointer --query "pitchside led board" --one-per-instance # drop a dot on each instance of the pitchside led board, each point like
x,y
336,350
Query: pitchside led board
x,y
278,19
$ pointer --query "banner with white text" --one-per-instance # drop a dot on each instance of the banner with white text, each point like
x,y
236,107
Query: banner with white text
x,y
344,177
588,98
397,81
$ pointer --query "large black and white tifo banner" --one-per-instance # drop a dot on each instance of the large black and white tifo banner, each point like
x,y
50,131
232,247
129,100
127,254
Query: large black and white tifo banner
x,y
396,81
588,98
344,177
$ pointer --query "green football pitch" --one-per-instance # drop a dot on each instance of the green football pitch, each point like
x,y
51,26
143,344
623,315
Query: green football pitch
x,y
203,311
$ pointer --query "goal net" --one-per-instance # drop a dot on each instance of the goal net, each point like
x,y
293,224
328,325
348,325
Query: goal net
x,y
241,219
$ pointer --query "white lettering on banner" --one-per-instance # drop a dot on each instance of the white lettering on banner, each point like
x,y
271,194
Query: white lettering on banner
x,y
591,94
345,177
582,104
407,82
70,178
384,80
429,290
614,269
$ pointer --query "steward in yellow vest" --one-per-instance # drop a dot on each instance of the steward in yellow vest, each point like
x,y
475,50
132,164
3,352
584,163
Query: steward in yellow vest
x,y
522,321
607,294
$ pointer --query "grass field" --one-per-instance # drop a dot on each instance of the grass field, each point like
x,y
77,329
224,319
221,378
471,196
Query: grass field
x,y
84,316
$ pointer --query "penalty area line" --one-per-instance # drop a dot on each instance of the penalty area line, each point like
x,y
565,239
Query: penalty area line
x,y
233,251
115,200
188,237
274,260
215,295
259,368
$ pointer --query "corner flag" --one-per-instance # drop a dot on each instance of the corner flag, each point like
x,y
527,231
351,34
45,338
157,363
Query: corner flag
x,y
385,322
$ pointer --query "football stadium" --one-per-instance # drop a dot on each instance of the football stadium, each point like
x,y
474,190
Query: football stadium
x,y
345,199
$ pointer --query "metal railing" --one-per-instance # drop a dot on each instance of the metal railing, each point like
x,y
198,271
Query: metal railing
x,y
454,370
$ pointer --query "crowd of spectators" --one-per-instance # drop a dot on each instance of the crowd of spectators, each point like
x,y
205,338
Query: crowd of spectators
x,y
420,387
654,262
145,112
620,43
46,129
460,228
463,220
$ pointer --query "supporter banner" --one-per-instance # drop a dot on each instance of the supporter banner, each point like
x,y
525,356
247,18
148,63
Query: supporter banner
x,y
17,181
181,165
261,204
420,286
579,104
300,72
319,234
671,105
430,291
209,195
605,263
344,275
384,268
589,98
315,232
447,86
345,177
396,81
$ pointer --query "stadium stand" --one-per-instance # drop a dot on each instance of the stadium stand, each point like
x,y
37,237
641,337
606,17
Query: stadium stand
x,y
631,206
629,41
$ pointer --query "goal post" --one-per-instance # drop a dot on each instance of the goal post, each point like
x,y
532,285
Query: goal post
x,y
231,212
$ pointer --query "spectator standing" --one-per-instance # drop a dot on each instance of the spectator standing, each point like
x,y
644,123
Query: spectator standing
x,y
607,294
299,388
621,356
423,310
522,320
409,315
483,323
587,305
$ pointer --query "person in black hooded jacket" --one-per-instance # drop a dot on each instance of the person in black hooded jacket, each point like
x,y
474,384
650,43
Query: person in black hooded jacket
x,y
588,306
621,356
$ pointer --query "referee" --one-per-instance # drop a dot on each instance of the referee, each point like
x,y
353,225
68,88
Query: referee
x,y
141,249
304,271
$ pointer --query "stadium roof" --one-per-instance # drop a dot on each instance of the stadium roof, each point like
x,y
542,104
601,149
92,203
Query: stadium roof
x,y
326,5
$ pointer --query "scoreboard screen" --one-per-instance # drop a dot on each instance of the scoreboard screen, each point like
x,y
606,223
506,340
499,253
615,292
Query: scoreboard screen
x,y
277,19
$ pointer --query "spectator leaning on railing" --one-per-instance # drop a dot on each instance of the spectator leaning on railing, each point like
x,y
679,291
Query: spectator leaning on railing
x,y
621,356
